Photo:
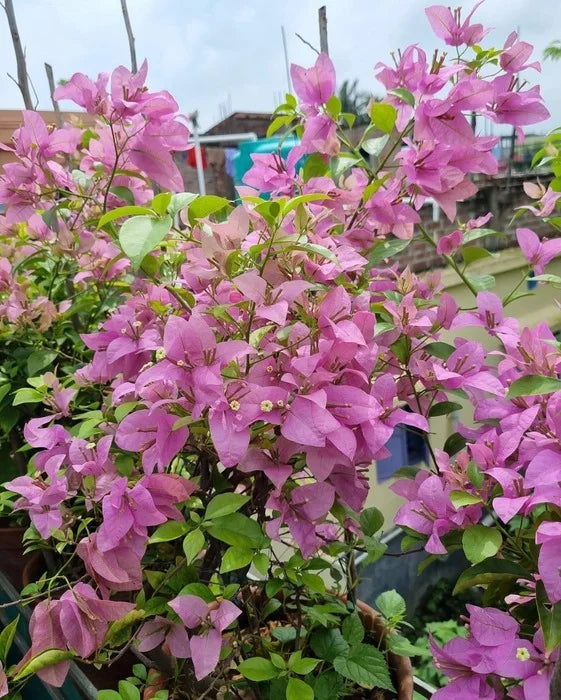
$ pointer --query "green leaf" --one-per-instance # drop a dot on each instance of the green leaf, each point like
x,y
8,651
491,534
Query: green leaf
x,y
463,498
141,234
491,570
257,669
27,396
366,666
261,563
298,690
476,233
39,360
550,619
383,116
278,123
314,248
46,658
552,279
128,691
235,558
108,695
402,646
341,164
205,206
224,504
123,410
481,542
475,475
329,686
237,530
454,443
328,644
302,666
533,385
444,408
285,634
120,631
481,282
6,639
314,582
386,249
303,199
375,146
4,391
473,253
353,629
390,604
374,550
315,166
140,671
439,349
371,520
123,193
121,212
179,201
169,531
200,590
192,544
270,607
404,95
161,202
277,660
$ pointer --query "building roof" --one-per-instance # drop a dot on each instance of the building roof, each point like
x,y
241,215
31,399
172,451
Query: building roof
x,y
242,123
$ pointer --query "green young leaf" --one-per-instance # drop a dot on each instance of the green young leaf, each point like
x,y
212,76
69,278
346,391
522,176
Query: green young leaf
x,y
192,544
257,669
200,590
404,95
374,549
121,212
224,504
237,530
4,391
161,202
533,385
328,644
278,123
302,666
315,166
391,605
140,235
27,396
383,116
342,163
403,647
463,498
481,542
205,206
123,410
371,520
481,283
6,639
303,199
108,695
314,582
119,632
473,253
366,666
39,360
298,690
353,629
46,658
375,146
476,233
235,558
261,563
443,408
386,249
169,531
128,691
179,201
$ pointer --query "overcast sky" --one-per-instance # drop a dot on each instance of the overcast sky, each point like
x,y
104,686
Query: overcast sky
x,y
208,52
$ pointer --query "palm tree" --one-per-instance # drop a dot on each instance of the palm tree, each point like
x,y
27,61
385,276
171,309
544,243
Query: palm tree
x,y
553,51
354,100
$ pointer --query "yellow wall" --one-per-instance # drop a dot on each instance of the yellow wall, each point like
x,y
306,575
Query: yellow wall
x,y
508,268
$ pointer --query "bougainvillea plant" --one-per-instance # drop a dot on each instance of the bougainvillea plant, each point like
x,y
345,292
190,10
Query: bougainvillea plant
x,y
209,472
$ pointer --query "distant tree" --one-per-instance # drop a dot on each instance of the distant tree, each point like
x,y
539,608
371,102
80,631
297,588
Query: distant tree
x,y
553,51
354,100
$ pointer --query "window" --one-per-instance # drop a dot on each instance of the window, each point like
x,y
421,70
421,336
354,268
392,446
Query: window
x,y
407,448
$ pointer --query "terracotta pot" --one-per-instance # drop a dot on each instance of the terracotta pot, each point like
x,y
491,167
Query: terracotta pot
x,y
33,569
12,559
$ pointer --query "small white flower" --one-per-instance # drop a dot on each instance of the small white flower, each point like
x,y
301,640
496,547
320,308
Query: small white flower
x,y
160,354
266,406
235,405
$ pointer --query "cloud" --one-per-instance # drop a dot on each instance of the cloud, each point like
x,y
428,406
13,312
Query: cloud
x,y
205,52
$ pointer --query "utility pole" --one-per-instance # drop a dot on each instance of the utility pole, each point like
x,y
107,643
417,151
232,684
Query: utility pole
x,y
22,81
130,35
322,17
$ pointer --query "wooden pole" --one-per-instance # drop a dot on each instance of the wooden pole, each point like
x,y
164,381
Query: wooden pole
x,y
22,82
322,14
130,35
51,80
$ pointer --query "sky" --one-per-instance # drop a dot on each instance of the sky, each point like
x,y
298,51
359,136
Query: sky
x,y
220,52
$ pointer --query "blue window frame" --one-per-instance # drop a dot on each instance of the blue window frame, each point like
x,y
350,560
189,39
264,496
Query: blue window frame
x,y
407,448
